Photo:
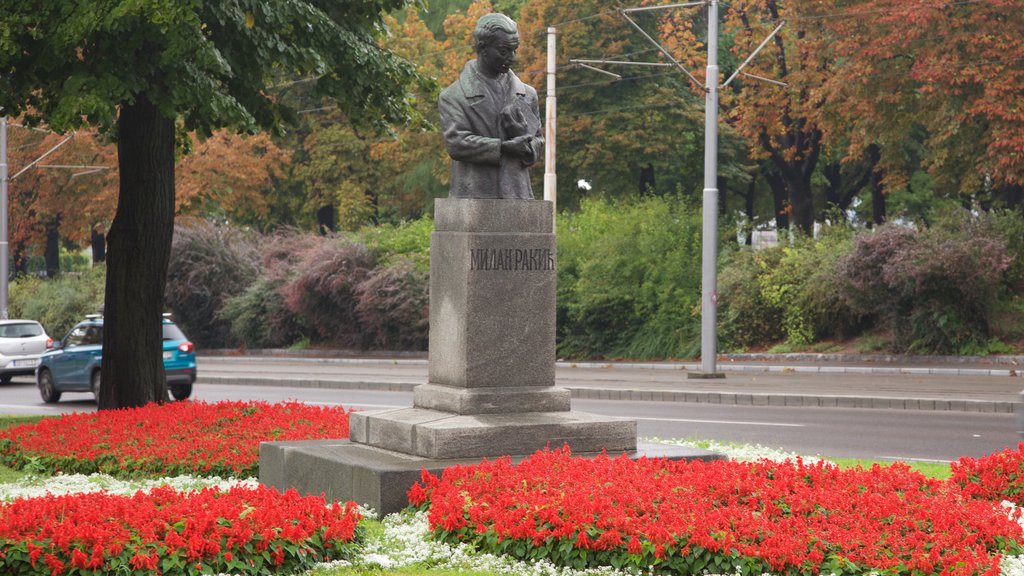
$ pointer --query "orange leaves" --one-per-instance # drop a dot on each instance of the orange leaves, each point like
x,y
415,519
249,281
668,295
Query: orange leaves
x,y
952,69
230,173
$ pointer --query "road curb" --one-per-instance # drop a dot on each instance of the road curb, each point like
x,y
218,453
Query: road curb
x,y
687,396
685,367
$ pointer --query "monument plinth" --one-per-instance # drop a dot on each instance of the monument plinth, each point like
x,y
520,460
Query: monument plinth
x,y
491,388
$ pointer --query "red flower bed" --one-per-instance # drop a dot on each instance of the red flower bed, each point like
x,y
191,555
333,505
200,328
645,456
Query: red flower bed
x,y
998,476
687,517
242,530
220,439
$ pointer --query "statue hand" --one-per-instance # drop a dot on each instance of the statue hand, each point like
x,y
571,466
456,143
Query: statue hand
x,y
519,146
514,121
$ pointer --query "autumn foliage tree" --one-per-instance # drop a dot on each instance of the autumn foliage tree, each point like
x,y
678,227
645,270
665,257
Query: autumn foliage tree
x,y
231,175
949,72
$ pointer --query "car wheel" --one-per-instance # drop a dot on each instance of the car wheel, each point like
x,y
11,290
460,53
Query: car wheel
x,y
181,392
95,381
5,378
47,390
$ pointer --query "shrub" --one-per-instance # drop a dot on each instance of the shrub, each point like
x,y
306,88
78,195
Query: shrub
x,y
409,241
803,286
1009,225
259,317
936,288
323,293
58,303
284,252
393,306
745,319
864,283
209,264
629,279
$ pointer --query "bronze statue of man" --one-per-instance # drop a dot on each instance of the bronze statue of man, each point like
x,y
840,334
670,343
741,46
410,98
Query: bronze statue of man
x,y
490,119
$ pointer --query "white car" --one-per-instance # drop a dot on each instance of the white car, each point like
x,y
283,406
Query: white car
x,y
22,342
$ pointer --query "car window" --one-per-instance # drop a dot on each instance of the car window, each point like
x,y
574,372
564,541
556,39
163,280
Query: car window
x,y
76,337
22,330
172,332
93,336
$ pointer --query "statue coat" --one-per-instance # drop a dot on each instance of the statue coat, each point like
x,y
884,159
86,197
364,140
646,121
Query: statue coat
x,y
473,132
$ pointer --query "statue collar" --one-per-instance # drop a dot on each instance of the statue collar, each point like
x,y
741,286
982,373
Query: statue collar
x,y
472,82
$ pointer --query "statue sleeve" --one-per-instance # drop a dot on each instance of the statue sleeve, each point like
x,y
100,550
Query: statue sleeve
x,y
537,139
460,139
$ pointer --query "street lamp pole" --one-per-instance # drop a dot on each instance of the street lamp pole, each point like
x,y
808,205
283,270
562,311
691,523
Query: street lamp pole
x,y
4,274
709,256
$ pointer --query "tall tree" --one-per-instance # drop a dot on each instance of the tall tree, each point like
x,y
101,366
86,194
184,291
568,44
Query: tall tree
x,y
949,72
151,68
781,125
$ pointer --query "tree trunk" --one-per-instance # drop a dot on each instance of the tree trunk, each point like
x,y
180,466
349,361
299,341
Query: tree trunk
x,y
99,245
138,253
51,253
19,257
803,204
326,219
878,215
779,199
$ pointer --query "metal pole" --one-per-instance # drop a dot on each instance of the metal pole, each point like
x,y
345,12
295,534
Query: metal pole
x,y
550,122
709,268
3,218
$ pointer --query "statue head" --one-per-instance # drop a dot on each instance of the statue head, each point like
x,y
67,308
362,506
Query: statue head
x,y
497,39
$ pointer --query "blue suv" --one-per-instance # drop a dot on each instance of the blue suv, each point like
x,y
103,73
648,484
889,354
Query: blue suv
x,y
74,363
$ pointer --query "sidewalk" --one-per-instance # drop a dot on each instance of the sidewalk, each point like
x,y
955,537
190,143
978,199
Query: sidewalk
x,y
907,383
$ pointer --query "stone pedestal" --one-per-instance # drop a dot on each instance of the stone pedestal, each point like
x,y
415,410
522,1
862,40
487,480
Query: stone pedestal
x,y
491,389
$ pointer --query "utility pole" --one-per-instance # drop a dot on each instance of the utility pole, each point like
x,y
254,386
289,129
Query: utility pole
x,y
4,272
709,232
709,241
550,180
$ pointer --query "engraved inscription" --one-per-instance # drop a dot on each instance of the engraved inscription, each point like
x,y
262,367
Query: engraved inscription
x,y
512,259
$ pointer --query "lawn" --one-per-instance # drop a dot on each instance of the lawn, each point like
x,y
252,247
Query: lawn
x,y
554,514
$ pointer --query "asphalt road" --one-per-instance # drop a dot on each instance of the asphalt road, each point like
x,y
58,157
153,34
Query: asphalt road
x,y
832,432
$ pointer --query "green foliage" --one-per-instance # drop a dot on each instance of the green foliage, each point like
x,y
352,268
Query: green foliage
x,y
408,240
1009,225
629,279
259,317
207,62
802,285
210,263
745,318
59,303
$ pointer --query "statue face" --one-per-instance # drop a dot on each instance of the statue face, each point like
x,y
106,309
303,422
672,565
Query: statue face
x,y
499,55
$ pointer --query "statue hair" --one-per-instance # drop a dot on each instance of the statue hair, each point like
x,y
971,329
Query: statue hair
x,y
488,26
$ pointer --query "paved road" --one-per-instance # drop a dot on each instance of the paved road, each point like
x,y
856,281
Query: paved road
x,y
944,388
836,432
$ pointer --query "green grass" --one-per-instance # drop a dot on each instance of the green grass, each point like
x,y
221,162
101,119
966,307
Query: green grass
x,y
8,421
937,470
